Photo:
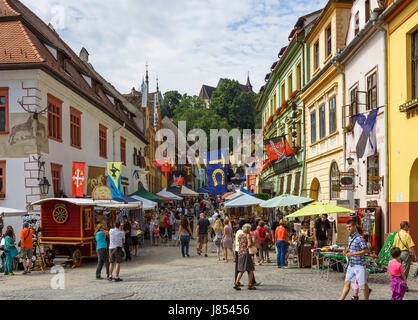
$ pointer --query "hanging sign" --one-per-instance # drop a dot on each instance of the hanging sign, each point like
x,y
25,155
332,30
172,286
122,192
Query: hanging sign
x,y
347,181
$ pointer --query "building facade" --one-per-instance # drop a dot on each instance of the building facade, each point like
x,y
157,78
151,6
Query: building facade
x,y
324,98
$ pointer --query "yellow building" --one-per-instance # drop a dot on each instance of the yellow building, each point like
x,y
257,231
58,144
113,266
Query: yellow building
x,y
323,98
402,27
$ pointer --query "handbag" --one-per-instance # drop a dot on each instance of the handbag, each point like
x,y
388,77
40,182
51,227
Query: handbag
x,y
252,250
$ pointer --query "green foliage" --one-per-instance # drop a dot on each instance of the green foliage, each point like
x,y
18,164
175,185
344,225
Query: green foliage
x,y
171,100
262,196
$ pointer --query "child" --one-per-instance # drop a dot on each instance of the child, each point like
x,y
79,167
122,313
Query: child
x,y
156,234
398,280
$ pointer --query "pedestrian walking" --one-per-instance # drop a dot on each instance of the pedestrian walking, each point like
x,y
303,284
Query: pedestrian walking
x,y
134,235
10,251
26,245
102,251
166,226
202,230
245,263
227,237
176,227
218,228
171,230
128,241
396,270
116,242
264,237
185,234
404,242
196,209
256,239
356,270
236,250
281,237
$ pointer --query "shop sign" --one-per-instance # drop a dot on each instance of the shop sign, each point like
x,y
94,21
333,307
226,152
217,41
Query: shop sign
x,y
347,181
372,203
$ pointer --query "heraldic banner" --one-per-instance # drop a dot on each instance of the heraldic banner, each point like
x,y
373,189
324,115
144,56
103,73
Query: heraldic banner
x,y
278,148
114,171
78,179
217,172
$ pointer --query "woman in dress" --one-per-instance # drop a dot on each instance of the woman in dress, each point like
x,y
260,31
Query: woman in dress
x,y
218,235
245,262
10,251
227,240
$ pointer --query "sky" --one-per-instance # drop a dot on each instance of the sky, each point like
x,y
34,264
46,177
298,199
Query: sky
x,y
186,43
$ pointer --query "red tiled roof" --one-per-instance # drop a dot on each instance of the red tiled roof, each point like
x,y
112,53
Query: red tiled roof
x,y
23,37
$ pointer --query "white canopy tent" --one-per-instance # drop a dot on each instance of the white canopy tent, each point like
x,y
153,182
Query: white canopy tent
x,y
244,200
111,204
146,204
9,212
168,194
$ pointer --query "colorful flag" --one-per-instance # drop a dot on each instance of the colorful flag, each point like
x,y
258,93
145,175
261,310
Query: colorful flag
x,y
165,165
177,181
217,172
278,148
365,134
114,171
78,179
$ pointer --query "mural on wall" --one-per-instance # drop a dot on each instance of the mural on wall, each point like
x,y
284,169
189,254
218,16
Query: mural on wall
x,y
27,136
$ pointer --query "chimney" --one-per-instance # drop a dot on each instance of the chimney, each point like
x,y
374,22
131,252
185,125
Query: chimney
x,y
84,55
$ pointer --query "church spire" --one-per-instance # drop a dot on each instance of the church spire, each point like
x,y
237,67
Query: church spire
x,y
248,84
146,75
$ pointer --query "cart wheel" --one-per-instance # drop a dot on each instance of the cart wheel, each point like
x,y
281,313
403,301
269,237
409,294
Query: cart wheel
x,y
49,258
76,258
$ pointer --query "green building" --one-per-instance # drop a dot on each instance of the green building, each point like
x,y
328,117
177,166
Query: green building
x,y
283,110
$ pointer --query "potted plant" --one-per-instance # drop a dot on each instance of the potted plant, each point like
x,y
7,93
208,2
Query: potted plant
x,y
349,129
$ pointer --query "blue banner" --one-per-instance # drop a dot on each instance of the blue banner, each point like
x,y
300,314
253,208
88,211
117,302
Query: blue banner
x,y
217,172
116,193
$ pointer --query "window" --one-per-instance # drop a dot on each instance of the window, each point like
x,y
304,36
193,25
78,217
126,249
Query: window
x,y
283,92
87,219
123,150
274,102
2,179
328,43
316,55
313,127
281,185
356,24
56,177
373,184
298,76
102,141
298,134
75,128
353,104
289,135
371,92
4,110
367,9
54,118
322,121
289,184
332,115
415,65
289,85
297,184
334,181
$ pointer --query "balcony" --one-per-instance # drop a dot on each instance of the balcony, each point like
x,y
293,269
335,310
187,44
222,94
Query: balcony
x,y
409,105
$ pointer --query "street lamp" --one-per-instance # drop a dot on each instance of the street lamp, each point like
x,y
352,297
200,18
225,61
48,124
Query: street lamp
x,y
44,186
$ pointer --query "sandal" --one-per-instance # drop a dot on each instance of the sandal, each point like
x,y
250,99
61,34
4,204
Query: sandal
x,y
354,298
252,288
236,287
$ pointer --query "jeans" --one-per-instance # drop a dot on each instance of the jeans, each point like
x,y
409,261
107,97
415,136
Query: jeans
x,y
127,249
184,240
170,232
264,250
281,252
103,259
8,263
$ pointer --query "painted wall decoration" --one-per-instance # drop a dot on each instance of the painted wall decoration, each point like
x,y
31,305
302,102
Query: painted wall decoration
x,y
26,136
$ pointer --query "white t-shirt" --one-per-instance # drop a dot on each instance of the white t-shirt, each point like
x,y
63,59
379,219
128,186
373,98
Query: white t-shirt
x,y
134,232
186,211
116,237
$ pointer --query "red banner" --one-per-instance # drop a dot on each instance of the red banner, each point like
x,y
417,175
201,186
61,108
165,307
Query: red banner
x,y
278,148
78,179
165,165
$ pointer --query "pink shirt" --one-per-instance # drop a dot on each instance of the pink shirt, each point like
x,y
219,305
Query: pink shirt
x,y
395,268
256,238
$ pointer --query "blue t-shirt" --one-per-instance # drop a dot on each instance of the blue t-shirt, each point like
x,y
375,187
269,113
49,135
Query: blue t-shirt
x,y
101,240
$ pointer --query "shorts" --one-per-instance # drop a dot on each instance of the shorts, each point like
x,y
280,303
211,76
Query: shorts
x,y
218,242
116,255
134,240
358,273
27,253
203,238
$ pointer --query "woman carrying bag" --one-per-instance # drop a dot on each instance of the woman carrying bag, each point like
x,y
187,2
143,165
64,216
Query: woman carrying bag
x,y
245,262
10,251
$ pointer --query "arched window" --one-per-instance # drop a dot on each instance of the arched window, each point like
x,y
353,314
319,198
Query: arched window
x,y
334,181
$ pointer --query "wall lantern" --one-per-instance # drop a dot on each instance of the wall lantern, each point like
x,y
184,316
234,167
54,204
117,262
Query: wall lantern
x,y
44,186
350,161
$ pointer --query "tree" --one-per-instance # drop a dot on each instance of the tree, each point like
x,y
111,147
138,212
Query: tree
x,y
171,100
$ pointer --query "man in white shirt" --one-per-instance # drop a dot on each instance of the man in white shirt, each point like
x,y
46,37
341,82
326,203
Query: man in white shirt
x,y
134,235
117,241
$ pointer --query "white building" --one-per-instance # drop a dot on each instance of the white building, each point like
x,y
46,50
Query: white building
x,y
364,63
84,119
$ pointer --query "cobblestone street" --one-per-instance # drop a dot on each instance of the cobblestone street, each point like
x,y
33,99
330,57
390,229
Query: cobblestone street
x,y
162,273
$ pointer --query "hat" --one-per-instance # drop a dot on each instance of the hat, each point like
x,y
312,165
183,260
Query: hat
x,y
331,219
26,224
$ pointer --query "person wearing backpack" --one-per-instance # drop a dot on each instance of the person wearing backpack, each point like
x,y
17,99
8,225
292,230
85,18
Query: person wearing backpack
x,y
264,241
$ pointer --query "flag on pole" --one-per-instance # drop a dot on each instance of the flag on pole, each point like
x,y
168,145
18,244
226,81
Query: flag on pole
x,y
365,134
278,148
114,171
78,179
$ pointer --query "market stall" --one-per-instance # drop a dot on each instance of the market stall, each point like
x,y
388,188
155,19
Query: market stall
x,y
169,195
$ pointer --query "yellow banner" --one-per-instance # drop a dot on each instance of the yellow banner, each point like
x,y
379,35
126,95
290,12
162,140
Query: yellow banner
x,y
114,170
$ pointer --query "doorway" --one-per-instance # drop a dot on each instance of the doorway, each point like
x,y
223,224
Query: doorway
x,y
314,190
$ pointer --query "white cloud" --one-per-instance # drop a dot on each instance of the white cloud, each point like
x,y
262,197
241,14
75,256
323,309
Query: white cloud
x,y
186,43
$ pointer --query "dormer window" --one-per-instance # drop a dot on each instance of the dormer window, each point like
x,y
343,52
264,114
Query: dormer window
x,y
52,50
111,98
88,80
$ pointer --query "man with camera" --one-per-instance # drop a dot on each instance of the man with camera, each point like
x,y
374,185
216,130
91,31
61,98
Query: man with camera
x,y
26,244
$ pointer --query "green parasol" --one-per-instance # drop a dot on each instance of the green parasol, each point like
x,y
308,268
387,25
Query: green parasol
x,y
285,200
318,208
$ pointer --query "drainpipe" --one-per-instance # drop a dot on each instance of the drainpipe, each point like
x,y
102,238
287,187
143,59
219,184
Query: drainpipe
x,y
113,133
386,180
